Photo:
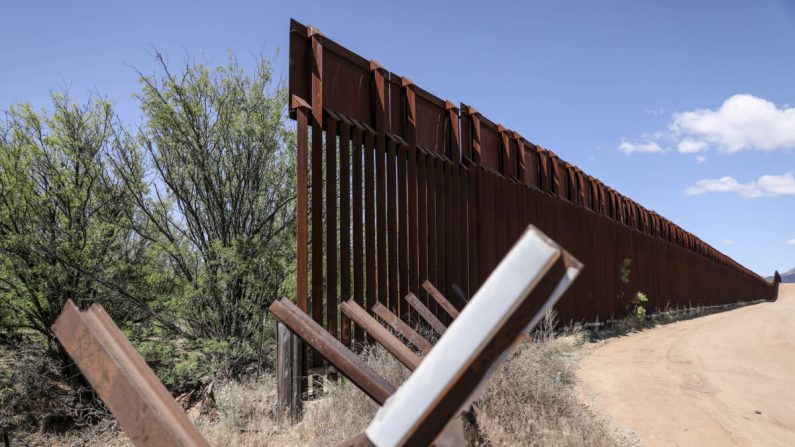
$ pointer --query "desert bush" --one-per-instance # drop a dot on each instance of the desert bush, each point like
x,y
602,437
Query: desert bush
x,y
63,221
221,208
35,397
638,311
182,228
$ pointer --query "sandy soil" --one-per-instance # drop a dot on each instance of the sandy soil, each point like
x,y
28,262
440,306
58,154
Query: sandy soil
x,y
722,379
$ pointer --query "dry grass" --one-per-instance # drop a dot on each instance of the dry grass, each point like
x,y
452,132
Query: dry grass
x,y
666,315
531,400
246,416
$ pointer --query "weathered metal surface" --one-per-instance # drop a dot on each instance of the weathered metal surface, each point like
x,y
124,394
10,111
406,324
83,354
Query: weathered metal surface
x,y
142,405
331,224
318,289
405,331
301,110
440,299
426,314
471,186
288,374
333,350
380,117
391,225
357,225
345,225
391,343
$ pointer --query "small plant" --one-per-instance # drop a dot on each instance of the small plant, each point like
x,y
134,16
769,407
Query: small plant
x,y
635,306
638,311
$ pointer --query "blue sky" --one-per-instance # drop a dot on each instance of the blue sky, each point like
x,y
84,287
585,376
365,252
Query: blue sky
x,y
597,82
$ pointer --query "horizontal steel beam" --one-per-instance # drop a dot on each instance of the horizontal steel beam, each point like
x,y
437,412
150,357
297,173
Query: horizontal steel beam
x,y
385,338
402,328
346,362
440,299
425,314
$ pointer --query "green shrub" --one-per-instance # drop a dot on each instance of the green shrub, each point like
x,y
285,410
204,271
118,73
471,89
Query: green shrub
x,y
635,306
638,310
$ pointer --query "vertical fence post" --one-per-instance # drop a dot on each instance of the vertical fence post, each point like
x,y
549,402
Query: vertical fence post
x,y
379,111
475,218
302,110
345,226
402,223
413,193
454,222
357,211
331,225
317,185
391,224
288,374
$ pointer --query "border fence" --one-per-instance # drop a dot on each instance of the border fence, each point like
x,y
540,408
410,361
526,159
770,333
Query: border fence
x,y
396,186
406,195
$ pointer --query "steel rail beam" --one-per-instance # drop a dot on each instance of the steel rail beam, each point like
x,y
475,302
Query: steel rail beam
x,y
142,405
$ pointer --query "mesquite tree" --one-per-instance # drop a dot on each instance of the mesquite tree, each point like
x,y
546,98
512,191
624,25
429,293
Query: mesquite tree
x,y
64,231
219,196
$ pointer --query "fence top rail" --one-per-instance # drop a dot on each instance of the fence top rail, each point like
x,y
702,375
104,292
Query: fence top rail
x,y
370,96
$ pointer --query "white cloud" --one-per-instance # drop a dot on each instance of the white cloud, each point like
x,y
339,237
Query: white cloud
x,y
723,184
764,186
691,146
700,159
790,242
743,122
727,242
629,148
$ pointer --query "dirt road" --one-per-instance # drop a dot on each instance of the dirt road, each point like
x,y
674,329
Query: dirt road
x,y
722,379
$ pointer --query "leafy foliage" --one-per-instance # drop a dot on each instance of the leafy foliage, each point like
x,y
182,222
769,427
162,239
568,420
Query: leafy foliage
x,y
220,203
635,305
64,230
182,228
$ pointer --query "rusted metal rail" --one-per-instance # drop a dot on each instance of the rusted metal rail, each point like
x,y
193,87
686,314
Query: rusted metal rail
x,y
426,314
391,343
423,411
333,350
440,299
405,331
121,378
288,374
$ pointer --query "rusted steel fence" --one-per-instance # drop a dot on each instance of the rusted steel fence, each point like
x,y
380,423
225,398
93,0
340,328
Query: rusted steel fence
x,y
396,187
